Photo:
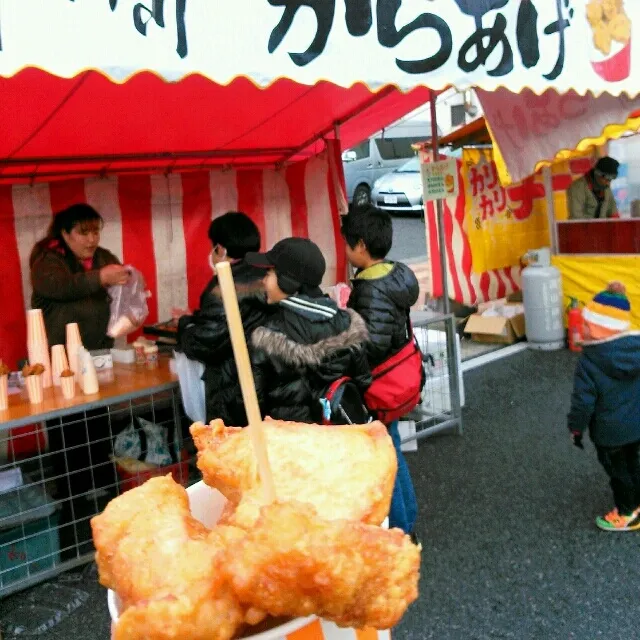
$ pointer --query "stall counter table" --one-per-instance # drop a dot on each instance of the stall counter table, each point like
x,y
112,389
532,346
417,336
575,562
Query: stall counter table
x,y
129,382
43,548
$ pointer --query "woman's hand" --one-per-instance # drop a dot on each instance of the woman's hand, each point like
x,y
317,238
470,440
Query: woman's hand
x,y
114,274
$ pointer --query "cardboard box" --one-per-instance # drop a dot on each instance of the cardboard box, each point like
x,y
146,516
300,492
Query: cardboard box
x,y
496,329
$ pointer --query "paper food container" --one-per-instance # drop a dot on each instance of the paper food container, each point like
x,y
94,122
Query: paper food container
x,y
207,505
610,28
617,66
34,389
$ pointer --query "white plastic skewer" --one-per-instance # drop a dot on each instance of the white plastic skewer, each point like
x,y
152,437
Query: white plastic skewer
x,y
245,374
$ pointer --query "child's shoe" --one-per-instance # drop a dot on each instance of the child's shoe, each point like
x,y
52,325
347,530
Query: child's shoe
x,y
613,521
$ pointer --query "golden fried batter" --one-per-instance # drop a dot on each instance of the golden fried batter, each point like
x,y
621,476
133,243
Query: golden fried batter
x,y
345,472
165,566
294,563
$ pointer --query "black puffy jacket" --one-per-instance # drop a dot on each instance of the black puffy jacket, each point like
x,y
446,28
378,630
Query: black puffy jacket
x,y
383,303
204,336
305,346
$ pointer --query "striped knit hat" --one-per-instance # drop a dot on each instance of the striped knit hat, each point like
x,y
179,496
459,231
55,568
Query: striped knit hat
x,y
609,313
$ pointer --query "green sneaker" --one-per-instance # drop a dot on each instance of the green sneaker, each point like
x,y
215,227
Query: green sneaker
x,y
613,521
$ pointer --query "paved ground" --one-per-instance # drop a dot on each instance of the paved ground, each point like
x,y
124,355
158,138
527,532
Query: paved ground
x,y
506,521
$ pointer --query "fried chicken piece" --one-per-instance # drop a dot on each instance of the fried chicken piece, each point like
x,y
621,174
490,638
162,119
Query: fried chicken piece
x,y
620,28
166,567
294,563
345,472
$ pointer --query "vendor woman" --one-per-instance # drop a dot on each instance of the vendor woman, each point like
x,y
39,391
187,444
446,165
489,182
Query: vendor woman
x,y
70,274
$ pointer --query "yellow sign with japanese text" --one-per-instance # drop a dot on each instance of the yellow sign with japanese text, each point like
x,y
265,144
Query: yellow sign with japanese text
x,y
501,224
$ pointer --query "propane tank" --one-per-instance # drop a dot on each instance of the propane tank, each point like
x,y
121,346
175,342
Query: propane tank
x,y
542,296
575,324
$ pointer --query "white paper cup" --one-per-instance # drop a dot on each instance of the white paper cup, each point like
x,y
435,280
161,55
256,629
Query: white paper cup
x,y
151,356
34,389
68,386
4,393
58,362
207,505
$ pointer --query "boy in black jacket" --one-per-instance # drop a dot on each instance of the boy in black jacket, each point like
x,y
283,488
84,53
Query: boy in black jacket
x,y
308,342
606,401
383,292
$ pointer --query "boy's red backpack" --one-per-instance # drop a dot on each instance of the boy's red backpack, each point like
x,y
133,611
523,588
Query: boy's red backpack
x,y
397,382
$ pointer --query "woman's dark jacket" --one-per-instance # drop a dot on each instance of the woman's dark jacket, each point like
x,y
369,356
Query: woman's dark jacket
x,y
204,336
305,346
67,292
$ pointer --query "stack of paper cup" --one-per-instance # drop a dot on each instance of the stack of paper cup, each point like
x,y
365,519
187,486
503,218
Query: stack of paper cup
x,y
34,388
58,362
38,345
4,392
87,373
68,386
74,342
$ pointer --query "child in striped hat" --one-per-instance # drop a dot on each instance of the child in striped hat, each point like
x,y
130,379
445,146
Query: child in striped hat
x,y
608,314
606,401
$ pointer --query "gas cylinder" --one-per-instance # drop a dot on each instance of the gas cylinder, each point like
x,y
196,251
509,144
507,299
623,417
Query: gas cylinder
x,y
542,297
575,324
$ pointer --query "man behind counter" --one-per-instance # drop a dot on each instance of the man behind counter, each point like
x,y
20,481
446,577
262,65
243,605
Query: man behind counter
x,y
590,197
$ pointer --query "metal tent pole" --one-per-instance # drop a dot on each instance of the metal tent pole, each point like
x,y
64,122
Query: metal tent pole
x,y
450,321
435,145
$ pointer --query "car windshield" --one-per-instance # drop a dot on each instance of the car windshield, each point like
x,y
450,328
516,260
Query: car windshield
x,y
413,166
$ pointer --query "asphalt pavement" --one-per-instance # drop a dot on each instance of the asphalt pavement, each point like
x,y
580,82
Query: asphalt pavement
x,y
510,549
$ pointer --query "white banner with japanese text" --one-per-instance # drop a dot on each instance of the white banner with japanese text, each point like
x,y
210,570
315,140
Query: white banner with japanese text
x,y
585,45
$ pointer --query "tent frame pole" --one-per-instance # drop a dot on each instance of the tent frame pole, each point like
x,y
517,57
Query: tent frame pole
x,y
435,146
449,318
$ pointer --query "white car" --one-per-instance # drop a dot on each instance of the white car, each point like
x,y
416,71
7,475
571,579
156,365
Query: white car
x,y
400,190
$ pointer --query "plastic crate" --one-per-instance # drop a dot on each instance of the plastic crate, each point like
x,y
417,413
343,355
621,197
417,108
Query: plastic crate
x,y
28,549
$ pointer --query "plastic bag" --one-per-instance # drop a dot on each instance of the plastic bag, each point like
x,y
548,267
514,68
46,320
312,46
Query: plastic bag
x,y
190,374
129,443
129,308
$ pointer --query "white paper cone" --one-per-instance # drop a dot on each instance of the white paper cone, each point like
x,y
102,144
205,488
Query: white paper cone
x,y
4,393
39,354
68,386
122,327
58,362
88,374
36,331
34,389
74,342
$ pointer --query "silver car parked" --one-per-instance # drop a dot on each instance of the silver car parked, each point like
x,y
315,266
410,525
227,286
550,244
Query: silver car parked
x,y
400,190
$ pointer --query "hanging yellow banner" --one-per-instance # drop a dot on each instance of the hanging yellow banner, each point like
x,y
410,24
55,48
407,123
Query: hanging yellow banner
x,y
502,224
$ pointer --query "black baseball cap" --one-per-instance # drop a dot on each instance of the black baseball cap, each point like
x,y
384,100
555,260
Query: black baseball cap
x,y
298,259
608,167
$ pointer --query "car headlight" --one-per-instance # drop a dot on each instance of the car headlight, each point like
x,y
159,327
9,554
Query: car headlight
x,y
377,183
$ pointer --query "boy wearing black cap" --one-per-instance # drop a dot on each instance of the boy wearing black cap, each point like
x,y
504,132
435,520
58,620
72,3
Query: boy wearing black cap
x,y
590,197
308,342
